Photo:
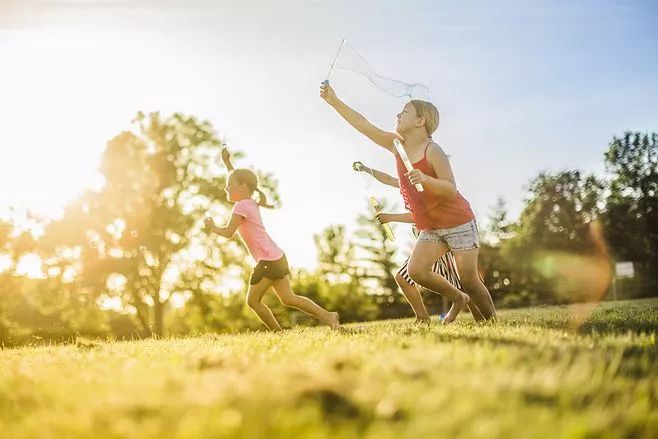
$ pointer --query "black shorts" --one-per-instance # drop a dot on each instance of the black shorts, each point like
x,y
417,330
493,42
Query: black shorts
x,y
270,269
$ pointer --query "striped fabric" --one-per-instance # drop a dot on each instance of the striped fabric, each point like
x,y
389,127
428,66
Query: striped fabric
x,y
445,266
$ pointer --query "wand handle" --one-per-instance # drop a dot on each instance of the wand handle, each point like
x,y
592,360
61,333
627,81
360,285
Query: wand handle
x,y
378,208
406,161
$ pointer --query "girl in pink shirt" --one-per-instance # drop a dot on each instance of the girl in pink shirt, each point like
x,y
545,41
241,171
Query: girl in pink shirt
x,y
271,265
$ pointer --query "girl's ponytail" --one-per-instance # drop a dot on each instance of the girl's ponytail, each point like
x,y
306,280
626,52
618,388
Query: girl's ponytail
x,y
262,199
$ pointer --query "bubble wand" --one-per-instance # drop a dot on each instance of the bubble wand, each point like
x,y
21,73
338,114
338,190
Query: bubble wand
x,y
378,208
342,43
406,161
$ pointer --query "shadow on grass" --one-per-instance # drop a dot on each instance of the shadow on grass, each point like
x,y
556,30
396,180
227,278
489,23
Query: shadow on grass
x,y
607,318
633,361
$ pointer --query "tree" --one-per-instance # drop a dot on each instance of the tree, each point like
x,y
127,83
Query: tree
x,y
559,211
500,227
376,264
335,254
495,269
557,249
34,304
337,284
631,218
140,237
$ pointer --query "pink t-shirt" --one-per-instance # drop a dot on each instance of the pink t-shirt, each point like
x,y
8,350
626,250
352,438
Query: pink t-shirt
x,y
251,230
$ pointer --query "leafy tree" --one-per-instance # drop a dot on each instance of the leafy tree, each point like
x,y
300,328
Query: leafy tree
x,y
377,266
140,238
558,235
496,270
631,219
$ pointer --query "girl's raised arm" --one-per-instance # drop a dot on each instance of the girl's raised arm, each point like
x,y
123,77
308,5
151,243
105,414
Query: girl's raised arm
x,y
354,118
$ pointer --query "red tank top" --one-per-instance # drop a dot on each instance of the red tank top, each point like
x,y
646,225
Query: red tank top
x,y
431,211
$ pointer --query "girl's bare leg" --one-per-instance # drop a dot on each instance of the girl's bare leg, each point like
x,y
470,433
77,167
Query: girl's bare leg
x,y
254,300
288,298
414,298
423,256
467,263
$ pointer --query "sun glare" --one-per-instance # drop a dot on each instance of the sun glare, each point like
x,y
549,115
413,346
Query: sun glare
x,y
57,116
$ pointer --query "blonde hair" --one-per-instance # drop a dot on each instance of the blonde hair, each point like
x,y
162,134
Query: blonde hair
x,y
245,176
428,111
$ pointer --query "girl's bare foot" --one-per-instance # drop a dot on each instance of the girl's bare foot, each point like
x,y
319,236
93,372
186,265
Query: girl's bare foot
x,y
455,308
423,320
334,320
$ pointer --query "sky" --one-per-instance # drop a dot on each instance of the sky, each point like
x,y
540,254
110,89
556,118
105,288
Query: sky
x,y
522,88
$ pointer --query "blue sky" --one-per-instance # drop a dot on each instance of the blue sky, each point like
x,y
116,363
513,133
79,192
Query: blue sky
x,y
522,87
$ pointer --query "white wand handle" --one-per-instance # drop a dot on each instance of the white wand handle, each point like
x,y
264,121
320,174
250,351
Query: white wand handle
x,y
406,161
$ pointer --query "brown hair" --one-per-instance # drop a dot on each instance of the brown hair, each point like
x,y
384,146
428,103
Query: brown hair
x,y
245,176
428,111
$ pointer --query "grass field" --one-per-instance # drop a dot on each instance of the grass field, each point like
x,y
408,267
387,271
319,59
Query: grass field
x,y
581,371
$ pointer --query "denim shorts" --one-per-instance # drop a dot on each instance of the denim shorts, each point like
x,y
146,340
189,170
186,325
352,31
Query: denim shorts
x,y
459,238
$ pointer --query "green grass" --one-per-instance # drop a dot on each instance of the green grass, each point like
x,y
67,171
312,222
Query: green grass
x,y
578,371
